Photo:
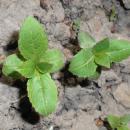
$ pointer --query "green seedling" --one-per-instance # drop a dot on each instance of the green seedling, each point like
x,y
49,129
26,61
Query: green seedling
x,y
93,55
118,123
35,62
76,25
113,14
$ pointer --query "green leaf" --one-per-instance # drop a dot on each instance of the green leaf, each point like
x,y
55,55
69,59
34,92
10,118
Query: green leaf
x,y
101,47
11,65
85,40
125,119
114,121
76,25
113,14
44,67
54,57
27,69
118,50
95,75
42,93
122,128
83,64
33,39
103,60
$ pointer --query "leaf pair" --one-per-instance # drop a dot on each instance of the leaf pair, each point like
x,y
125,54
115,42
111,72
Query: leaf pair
x,y
36,63
93,55
112,49
119,123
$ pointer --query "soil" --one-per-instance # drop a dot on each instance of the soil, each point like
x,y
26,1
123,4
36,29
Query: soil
x,y
83,103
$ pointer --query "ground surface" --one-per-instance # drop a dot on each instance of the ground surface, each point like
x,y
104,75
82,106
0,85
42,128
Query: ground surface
x,y
81,101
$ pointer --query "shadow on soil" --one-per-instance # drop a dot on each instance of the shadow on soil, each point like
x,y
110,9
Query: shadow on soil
x,y
68,79
106,124
25,107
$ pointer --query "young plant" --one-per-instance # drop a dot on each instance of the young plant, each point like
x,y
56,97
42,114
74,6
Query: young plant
x,y
35,62
118,123
93,55
113,15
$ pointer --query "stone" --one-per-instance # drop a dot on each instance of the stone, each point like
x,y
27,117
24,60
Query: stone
x,y
122,94
61,32
13,14
125,65
52,11
126,4
108,78
99,24
8,96
75,98
75,120
84,120
83,9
